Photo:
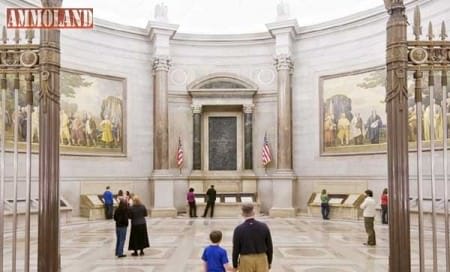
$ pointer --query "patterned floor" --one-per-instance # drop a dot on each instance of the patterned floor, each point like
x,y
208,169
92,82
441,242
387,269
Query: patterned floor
x,y
301,244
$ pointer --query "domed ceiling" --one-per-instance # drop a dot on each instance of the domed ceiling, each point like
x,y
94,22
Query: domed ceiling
x,y
223,16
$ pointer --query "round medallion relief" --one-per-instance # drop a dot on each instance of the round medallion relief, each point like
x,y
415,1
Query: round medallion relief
x,y
28,58
418,55
266,76
178,76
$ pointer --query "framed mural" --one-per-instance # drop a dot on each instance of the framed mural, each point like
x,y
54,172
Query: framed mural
x,y
92,115
353,115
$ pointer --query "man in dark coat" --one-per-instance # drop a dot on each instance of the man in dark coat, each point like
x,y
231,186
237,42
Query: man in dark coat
x,y
210,200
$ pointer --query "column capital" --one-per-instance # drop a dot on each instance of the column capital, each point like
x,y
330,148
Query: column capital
x,y
196,108
284,62
161,63
248,108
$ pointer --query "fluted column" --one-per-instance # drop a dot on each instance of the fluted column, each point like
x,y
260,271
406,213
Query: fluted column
x,y
197,137
284,67
161,116
248,136
397,141
48,231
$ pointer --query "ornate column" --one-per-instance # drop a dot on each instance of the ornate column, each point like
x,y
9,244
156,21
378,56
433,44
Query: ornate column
x,y
48,232
162,178
161,66
284,145
283,177
248,136
397,143
197,137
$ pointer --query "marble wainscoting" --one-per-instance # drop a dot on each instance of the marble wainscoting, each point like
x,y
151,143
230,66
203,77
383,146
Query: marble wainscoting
x,y
300,245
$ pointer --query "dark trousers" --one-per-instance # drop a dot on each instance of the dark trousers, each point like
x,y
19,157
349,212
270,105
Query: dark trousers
x,y
192,209
208,205
121,234
108,211
325,209
384,214
368,224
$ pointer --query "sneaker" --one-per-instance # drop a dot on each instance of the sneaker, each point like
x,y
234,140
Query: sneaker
x,y
121,256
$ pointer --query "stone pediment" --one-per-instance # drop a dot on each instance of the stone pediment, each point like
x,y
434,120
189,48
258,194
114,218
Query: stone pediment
x,y
222,89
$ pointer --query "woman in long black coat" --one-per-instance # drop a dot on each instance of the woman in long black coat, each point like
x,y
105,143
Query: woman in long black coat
x,y
138,235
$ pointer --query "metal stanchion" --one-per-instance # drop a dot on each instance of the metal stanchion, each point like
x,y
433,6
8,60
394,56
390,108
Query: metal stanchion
x,y
16,171
445,165
418,75
29,102
2,166
433,176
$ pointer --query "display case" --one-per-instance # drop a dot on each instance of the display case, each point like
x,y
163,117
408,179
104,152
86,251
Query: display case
x,y
227,204
342,206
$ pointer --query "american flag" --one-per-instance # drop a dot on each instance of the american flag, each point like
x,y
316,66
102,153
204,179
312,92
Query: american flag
x,y
180,155
266,155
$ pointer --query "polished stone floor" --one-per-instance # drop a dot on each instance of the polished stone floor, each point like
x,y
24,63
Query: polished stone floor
x,y
301,244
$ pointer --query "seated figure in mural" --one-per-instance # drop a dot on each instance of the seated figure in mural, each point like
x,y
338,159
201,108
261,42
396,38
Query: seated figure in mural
x,y
373,127
343,127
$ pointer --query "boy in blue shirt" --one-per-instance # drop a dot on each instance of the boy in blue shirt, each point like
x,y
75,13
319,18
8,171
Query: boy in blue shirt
x,y
214,257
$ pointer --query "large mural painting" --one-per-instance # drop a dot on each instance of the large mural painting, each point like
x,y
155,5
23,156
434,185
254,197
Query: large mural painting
x,y
92,116
353,113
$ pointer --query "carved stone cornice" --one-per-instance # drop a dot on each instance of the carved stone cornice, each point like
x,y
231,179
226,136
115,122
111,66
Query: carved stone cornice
x,y
196,109
161,63
284,62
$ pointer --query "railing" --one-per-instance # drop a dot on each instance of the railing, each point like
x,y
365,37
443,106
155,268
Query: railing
x,y
431,57
18,63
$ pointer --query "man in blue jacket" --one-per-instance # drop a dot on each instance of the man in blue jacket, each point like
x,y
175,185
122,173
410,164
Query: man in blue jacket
x,y
108,201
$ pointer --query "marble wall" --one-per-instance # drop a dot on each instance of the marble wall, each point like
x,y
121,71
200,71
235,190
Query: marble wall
x,y
348,44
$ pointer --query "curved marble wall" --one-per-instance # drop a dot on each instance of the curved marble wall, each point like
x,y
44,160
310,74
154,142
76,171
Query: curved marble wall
x,y
345,45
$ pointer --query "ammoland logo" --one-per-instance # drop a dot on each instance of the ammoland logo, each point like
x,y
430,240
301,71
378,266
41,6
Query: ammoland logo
x,y
54,18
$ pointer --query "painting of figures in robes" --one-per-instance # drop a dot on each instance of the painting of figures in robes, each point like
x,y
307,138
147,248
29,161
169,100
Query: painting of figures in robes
x,y
92,115
353,112
353,116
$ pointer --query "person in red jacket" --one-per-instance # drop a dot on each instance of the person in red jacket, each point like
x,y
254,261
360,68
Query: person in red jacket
x,y
384,206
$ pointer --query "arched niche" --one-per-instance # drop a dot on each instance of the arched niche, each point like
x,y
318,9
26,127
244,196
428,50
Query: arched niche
x,y
222,106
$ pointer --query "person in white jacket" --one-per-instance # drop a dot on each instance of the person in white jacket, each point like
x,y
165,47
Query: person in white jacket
x,y
368,207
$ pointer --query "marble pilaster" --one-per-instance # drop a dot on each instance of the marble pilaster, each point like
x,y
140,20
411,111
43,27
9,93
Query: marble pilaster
x,y
248,136
284,67
162,177
283,178
161,116
197,137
